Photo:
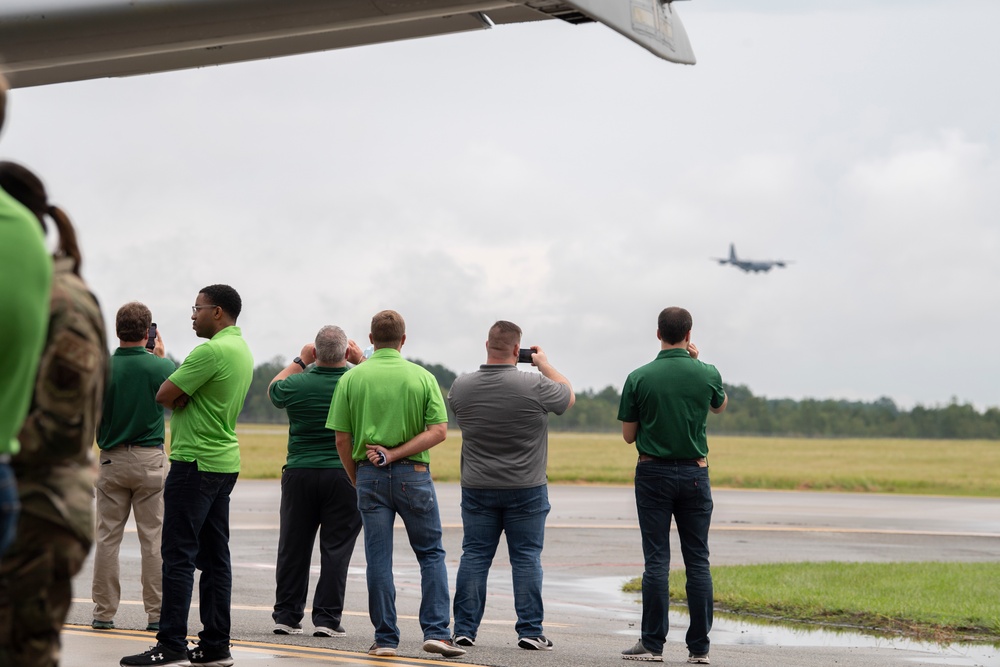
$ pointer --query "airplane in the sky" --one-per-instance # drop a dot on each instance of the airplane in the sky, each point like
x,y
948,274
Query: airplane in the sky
x,y
749,265
52,41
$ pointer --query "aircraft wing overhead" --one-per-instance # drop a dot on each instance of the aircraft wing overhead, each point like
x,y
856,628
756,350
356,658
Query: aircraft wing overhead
x,y
53,41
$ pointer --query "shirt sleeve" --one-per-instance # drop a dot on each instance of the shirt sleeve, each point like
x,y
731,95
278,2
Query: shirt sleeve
x,y
628,411
435,412
554,396
197,369
715,383
278,393
339,417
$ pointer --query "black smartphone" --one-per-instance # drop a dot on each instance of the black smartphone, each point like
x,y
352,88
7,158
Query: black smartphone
x,y
524,355
151,340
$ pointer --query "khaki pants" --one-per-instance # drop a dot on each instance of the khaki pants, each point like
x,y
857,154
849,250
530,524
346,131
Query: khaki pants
x,y
35,591
129,478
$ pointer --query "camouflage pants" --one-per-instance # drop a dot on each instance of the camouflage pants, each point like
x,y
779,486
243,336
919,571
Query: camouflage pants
x,y
35,591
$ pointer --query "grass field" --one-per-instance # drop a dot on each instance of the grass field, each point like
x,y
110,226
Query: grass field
x,y
942,602
938,467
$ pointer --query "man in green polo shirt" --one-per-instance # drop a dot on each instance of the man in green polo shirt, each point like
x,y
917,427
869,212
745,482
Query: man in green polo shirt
x,y
26,277
387,413
206,395
132,466
664,410
316,493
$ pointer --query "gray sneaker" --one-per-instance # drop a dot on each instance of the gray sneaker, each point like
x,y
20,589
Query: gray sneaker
x,y
698,659
640,652
443,647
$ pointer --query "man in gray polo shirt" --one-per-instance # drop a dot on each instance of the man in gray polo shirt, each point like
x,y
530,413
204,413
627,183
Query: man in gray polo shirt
x,y
503,414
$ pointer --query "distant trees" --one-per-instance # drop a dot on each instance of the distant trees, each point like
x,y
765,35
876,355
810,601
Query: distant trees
x,y
597,411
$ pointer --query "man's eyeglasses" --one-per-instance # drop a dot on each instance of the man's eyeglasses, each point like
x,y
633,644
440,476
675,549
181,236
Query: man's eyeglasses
x,y
195,309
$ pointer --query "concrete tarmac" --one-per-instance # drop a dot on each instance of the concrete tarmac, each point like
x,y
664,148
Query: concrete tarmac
x,y
592,546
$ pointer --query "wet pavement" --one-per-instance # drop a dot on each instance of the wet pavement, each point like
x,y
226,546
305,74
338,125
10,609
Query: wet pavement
x,y
592,547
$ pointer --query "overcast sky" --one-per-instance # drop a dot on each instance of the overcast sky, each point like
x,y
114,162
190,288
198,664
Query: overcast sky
x,y
562,177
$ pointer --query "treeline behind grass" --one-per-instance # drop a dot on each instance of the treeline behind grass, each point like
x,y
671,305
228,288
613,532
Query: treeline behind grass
x,y
597,411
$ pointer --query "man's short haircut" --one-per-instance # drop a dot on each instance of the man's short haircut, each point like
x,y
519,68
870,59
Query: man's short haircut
x,y
132,322
225,297
673,324
388,328
331,344
503,336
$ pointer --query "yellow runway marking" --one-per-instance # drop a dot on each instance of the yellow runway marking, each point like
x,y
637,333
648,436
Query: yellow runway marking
x,y
281,650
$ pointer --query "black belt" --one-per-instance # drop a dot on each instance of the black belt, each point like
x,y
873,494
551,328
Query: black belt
x,y
643,458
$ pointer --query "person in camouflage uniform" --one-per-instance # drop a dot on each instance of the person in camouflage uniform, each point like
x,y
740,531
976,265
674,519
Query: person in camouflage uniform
x,y
54,469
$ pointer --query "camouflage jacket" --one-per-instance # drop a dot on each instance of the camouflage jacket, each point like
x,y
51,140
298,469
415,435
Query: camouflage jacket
x,y
55,470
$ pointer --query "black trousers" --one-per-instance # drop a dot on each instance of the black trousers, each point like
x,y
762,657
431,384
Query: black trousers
x,y
314,499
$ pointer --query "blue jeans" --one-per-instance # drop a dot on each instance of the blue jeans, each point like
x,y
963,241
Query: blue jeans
x,y
404,488
661,490
10,507
520,513
196,535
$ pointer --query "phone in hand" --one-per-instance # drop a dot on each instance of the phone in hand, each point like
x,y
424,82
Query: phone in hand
x,y
151,340
524,355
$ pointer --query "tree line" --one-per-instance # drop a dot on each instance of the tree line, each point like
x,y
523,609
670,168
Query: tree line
x,y
597,411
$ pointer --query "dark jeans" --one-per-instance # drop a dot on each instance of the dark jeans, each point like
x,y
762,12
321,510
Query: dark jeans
x,y
10,507
486,513
663,489
314,499
196,535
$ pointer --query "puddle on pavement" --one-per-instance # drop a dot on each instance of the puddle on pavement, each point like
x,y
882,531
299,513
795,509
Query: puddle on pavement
x,y
734,630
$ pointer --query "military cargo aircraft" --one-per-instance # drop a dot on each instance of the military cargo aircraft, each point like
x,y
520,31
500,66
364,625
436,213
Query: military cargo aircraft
x,y
53,41
749,265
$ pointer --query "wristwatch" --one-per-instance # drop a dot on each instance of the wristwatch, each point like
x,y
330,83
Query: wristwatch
x,y
298,360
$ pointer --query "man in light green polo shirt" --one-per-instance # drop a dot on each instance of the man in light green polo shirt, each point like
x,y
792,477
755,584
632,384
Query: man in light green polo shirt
x,y
206,395
26,276
387,413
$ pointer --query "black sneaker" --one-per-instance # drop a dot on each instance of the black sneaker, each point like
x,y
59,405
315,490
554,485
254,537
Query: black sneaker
x,y
327,631
282,629
102,625
539,643
157,655
464,640
210,656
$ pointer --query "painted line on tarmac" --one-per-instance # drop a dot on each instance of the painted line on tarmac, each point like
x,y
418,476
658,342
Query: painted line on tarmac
x,y
788,529
267,648
247,607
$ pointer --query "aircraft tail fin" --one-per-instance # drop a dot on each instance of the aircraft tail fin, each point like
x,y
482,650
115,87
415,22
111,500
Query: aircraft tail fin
x,y
732,252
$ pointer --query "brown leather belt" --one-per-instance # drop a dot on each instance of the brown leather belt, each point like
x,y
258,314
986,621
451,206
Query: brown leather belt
x,y
643,458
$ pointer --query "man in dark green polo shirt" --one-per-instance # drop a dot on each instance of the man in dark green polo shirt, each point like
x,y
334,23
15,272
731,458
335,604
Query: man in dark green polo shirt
x,y
206,395
132,465
664,410
316,493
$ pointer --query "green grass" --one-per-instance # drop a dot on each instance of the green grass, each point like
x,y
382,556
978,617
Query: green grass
x,y
942,602
937,467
